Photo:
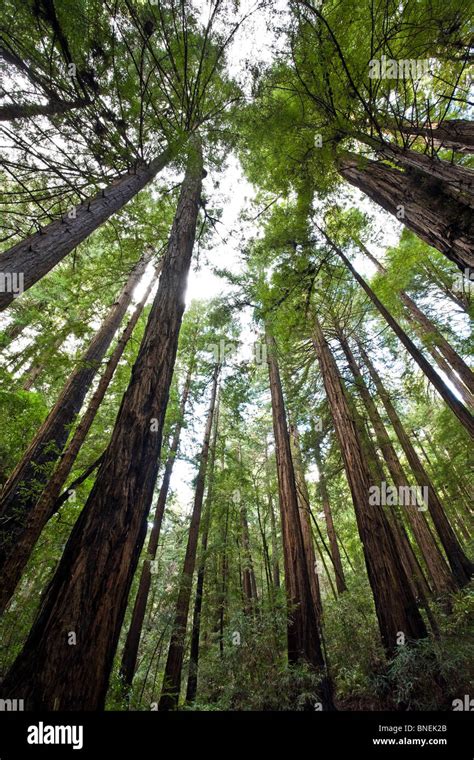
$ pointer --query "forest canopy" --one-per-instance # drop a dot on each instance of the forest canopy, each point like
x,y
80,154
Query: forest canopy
x,y
236,267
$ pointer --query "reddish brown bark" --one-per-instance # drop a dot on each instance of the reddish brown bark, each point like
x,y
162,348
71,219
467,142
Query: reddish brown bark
x,y
47,504
39,253
440,220
335,553
19,507
440,576
395,604
191,688
174,664
463,414
132,642
304,508
88,593
432,338
460,565
303,624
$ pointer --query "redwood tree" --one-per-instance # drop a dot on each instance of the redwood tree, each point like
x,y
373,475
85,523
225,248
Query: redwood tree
x,y
102,552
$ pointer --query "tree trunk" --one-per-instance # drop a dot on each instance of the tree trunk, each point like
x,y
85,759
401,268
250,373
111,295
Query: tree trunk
x,y
52,108
460,565
456,134
420,203
47,504
395,604
132,642
196,627
335,554
460,178
248,573
439,572
19,506
431,336
174,664
275,563
463,414
88,593
304,507
39,253
303,625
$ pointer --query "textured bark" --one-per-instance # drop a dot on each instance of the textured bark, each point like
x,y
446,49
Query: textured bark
x,y
457,134
416,578
53,108
432,338
440,220
460,178
303,624
335,553
22,516
88,593
275,563
440,576
39,253
395,604
304,508
249,583
463,414
274,541
132,642
47,504
460,565
174,664
196,625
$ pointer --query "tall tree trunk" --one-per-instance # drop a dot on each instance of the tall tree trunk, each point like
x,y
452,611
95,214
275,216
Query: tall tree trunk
x,y
132,642
174,664
460,565
438,219
88,593
47,504
275,552
457,134
303,624
304,508
395,604
460,178
222,607
19,500
275,563
196,626
335,553
416,578
39,253
431,336
52,108
248,572
441,578
463,414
